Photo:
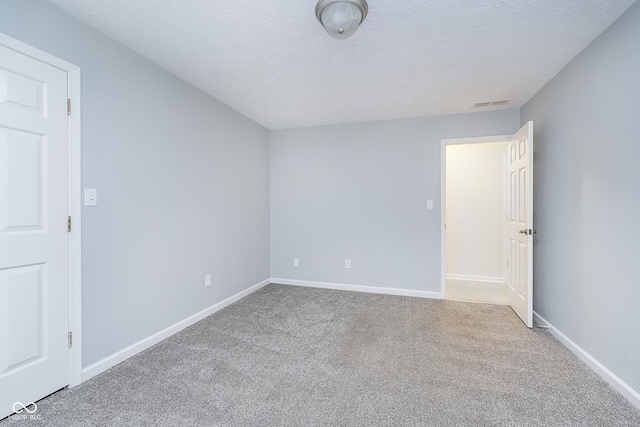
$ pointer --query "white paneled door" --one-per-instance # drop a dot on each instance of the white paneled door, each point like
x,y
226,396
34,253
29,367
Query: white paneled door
x,y
520,223
34,248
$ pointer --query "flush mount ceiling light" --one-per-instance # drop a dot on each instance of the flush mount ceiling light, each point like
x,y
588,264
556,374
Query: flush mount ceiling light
x,y
341,18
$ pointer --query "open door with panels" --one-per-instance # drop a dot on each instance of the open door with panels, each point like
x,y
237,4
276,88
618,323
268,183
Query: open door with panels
x,y
520,223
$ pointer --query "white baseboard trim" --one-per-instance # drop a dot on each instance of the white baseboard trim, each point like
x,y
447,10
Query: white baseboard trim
x,y
623,388
133,349
472,278
359,288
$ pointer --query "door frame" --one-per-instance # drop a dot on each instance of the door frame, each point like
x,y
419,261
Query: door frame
x,y
74,192
443,195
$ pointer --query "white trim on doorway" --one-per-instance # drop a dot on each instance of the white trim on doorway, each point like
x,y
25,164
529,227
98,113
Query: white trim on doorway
x,y
443,196
74,197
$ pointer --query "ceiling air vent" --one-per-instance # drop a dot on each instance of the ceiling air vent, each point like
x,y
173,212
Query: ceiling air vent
x,y
490,104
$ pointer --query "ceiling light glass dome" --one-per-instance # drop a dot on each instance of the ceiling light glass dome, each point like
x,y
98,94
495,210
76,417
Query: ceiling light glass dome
x,y
341,18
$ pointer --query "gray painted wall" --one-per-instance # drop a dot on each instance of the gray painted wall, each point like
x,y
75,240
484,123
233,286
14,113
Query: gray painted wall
x,y
360,192
587,198
183,186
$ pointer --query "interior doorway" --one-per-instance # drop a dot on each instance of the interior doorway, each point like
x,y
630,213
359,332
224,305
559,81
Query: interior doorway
x,y
475,216
517,221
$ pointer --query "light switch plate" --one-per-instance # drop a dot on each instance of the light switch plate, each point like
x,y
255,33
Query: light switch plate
x,y
429,204
90,197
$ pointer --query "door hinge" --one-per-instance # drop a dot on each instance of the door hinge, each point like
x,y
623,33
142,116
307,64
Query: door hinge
x,y
69,224
68,107
70,339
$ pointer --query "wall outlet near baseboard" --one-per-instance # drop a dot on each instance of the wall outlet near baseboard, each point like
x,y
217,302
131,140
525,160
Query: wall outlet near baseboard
x,y
207,280
296,263
347,263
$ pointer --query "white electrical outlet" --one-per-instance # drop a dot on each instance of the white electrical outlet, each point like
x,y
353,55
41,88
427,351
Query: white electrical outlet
x,y
347,263
207,280
296,263
90,197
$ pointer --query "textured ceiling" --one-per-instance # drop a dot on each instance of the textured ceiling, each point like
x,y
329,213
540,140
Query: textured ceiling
x,y
273,62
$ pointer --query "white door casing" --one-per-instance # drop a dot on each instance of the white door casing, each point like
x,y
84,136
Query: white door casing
x,y
520,223
34,241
